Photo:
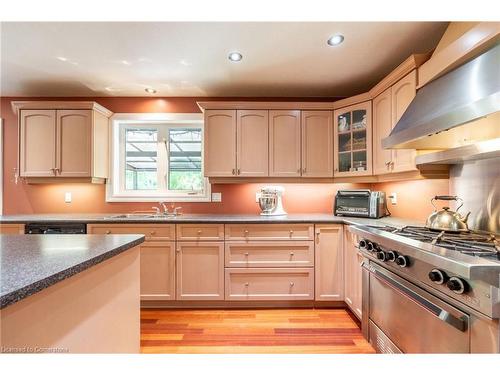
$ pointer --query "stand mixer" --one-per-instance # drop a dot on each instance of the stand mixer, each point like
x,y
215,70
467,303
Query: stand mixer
x,y
270,201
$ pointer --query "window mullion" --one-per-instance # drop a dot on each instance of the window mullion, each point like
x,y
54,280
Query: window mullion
x,y
162,158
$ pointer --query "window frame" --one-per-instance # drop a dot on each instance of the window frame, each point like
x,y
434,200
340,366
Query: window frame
x,y
115,184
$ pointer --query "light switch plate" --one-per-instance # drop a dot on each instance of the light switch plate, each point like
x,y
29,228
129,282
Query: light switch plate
x,y
67,197
394,198
216,197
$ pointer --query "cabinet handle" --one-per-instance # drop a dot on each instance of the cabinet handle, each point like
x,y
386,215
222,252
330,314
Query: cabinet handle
x,y
53,170
291,232
199,232
291,253
233,171
245,232
292,283
246,254
108,232
178,250
152,233
247,284
238,171
317,237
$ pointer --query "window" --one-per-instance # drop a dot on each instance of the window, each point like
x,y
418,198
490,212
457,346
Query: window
x,y
157,157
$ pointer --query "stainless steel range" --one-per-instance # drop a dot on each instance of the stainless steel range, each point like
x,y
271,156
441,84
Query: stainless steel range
x,y
430,292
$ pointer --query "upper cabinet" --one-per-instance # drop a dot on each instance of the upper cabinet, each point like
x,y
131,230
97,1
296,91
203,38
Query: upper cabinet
x,y
220,143
252,143
317,144
284,144
353,142
63,140
388,107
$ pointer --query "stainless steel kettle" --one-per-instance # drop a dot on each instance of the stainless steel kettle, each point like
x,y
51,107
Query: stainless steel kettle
x,y
445,219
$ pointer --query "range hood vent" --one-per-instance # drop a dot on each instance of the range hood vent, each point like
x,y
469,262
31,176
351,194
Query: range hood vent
x,y
443,113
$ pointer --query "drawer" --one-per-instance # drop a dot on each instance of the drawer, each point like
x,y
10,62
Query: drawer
x,y
269,254
269,232
11,228
158,232
205,232
269,284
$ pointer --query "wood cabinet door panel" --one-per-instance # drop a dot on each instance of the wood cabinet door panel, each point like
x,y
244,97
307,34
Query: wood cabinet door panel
x,y
252,143
284,144
269,254
200,270
220,143
352,274
317,144
382,126
403,93
157,270
269,284
74,139
37,143
329,263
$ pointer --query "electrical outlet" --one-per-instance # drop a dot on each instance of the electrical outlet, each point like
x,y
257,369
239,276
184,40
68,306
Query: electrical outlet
x,y
257,196
67,197
216,197
394,198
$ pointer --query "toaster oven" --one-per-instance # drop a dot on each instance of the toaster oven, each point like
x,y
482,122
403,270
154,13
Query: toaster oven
x,y
361,203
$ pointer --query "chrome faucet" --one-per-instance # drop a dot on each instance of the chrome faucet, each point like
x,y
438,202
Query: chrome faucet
x,y
163,209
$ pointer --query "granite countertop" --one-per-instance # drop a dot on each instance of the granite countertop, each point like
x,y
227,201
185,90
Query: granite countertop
x,y
31,263
206,218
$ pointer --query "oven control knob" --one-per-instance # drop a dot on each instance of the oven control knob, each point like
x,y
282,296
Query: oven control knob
x,y
369,246
457,285
381,255
362,244
402,261
391,256
438,276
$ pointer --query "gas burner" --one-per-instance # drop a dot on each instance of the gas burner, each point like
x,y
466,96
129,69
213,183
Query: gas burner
x,y
476,243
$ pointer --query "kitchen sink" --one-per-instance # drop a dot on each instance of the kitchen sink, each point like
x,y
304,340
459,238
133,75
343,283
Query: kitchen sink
x,y
140,216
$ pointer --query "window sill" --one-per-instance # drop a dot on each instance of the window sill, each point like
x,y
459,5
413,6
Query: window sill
x,y
197,199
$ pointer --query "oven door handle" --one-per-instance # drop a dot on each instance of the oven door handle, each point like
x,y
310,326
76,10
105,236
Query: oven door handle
x,y
440,313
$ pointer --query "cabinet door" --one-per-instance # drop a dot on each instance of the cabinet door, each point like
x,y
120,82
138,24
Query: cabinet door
x,y
403,93
200,270
74,138
317,144
157,270
220,143
353,140
329,265
252,143
382,125
284,143
37,151
352,274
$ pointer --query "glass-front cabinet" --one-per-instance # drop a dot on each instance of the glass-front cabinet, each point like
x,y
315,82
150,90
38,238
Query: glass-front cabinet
x,y
353,140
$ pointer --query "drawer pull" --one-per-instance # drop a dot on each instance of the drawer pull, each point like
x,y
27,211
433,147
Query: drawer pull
x,y
291,232
246,232
178,250
291,253
108,232
152,233
246,254
247,284
292,283
199,232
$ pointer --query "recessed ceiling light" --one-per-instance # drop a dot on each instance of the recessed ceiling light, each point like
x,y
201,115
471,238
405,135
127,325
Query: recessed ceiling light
x,y
62,58
125,62
235,56
150,90
335,40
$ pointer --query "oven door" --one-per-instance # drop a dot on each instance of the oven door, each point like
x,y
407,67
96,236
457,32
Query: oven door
x,y
412,319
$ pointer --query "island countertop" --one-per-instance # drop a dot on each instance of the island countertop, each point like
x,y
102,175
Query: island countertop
x,y
29,264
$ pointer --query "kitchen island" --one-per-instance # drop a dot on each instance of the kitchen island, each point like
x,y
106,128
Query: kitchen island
x,y
69,293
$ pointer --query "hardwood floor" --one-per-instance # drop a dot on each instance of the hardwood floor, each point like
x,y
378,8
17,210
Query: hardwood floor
x,y
251,331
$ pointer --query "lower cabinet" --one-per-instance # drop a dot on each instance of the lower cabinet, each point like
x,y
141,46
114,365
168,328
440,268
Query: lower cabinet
x,y
269,284
200,270
353,273
158,270
11,228
329,264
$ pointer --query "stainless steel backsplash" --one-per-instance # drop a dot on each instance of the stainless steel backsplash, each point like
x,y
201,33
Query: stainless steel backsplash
x,y
478,184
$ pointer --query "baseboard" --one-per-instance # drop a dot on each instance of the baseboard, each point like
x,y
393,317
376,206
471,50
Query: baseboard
x,y
240,304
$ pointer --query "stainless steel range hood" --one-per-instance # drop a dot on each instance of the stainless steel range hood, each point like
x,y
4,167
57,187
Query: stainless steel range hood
x,y
457,110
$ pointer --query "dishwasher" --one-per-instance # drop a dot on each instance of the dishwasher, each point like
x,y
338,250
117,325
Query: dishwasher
x,y
55,228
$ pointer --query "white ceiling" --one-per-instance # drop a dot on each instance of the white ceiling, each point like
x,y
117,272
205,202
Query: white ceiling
x,y
190,59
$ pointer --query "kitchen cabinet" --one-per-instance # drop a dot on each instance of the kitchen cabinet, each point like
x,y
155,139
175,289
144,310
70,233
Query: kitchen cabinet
x,y
200,270
353,140
352,273
329,265
317,143
220,143
63,140
252,137
284,143
157,270
388,107
402,93
200,232
266,232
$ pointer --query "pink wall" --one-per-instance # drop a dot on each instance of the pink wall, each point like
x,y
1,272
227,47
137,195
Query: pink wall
x,y
236,198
